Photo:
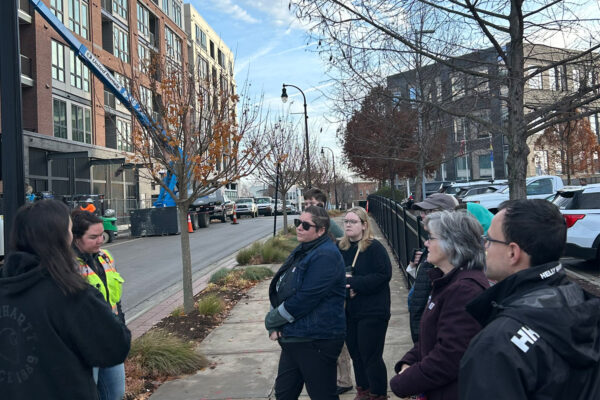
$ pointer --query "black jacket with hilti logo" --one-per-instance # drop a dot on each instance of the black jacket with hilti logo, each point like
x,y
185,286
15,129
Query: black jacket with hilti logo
x,y
541,340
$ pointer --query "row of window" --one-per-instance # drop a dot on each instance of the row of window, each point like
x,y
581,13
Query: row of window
x,y
556,79
77,15
79,74
72,121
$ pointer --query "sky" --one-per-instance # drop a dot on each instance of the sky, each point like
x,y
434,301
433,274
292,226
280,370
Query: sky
x,y
271,47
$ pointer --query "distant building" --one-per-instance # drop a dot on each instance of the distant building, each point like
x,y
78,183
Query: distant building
x,y
471,150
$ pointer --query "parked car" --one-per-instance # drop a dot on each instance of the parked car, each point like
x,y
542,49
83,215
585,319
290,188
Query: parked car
x,y
474,190
264,205
246,206
434,187
538,187
290,208
580,205
216,204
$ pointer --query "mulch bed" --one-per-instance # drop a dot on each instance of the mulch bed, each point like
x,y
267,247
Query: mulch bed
x,y
191,327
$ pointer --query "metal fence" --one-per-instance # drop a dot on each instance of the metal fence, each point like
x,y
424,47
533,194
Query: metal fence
x,y
403,230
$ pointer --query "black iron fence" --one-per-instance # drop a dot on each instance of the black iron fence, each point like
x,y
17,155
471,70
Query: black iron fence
x,y
402,229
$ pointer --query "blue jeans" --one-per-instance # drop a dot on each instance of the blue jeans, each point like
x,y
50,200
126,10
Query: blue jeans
x,y
110,382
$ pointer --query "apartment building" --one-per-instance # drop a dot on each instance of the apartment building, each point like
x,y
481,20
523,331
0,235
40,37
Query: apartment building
x,y
471,150
77,135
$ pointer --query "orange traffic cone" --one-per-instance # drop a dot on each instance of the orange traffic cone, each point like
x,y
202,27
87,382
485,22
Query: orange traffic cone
x,y
190,227
234,222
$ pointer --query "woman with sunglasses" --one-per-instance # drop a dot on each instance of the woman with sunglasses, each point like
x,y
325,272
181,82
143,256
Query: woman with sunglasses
x,y
368,274
456,250
307,311
54,326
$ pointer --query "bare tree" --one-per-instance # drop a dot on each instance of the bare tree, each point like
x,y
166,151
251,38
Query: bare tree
x,y
202,135
483,44
286,158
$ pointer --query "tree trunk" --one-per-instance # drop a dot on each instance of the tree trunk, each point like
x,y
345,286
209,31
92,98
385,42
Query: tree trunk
x,y
186,260
517,134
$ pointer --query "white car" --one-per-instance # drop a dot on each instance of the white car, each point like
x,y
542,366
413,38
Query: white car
x,y
580,205
538,187
246,206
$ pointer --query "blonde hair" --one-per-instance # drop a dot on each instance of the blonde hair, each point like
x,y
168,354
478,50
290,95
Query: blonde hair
x,y
367,237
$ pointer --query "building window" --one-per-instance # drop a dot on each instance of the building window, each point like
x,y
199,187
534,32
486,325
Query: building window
x,y
78,17
144,57
485,165
200,37
124,135
221,58
457,85
120,8
79,73
459,131
56,6
202,68
535,82
143,23
59,111
81,124
165,6
173,45
212,50
177,14
121,44
576,79
462,170
146,98
58,61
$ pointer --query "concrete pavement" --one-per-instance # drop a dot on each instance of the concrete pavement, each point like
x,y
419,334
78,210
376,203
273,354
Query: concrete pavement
x,y
246,360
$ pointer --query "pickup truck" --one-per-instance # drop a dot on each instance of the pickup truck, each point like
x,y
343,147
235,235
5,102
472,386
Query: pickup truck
x,y
538,187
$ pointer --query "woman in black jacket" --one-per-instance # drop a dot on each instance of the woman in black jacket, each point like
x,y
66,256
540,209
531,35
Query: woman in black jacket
x,y
53,325
368,274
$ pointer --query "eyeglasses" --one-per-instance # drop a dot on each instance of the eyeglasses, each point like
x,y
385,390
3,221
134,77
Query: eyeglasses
x,y
351,221
487,241
305,225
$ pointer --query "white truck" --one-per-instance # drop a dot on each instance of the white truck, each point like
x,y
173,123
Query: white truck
x,y
538,187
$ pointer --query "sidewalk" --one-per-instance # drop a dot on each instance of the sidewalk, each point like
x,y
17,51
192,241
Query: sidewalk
x,y
246,360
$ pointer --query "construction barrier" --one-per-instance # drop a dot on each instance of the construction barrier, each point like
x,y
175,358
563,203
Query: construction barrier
x,y
234,221
190,227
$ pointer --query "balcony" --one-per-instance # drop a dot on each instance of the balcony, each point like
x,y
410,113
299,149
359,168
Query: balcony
x,y
26,71
24,12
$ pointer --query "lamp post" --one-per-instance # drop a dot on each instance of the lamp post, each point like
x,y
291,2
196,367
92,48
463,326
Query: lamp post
x,y
284,98
334,179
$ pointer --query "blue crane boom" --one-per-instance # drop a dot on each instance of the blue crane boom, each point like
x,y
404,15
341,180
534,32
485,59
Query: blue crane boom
x,y
111,84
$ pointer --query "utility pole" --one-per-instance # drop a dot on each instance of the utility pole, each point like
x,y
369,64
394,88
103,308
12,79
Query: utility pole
x,y
13,174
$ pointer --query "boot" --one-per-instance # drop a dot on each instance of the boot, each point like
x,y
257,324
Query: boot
x,y
362,394
377,396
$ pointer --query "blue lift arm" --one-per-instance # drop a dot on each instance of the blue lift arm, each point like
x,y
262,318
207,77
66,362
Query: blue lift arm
x,y
111,84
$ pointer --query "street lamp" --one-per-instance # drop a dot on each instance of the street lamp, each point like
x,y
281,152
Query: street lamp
x,y
334,179
284,98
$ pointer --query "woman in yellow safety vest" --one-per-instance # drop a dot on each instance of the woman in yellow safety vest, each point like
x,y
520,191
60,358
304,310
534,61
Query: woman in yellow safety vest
x,y
97,267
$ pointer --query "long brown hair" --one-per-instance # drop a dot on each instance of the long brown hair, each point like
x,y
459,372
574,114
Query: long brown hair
x,y
42,229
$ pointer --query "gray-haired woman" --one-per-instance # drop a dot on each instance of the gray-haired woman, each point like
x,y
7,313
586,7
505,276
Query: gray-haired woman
x,y
456,249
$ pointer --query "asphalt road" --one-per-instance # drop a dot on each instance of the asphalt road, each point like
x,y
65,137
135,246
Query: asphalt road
x,y
151,266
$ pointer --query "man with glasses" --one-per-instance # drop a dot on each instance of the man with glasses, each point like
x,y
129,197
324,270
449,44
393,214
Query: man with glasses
x,y
541,332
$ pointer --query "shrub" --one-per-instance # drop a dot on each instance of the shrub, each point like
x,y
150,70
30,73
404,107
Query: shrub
x,y
178,312
245,256
219,276
283,243
158,353
256,273
210,305
272,254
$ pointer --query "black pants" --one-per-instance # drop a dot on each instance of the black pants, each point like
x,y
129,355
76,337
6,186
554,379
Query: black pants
x,y
311,363
365,339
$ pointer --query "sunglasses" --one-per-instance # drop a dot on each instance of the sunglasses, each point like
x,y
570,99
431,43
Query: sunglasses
x,y
305,225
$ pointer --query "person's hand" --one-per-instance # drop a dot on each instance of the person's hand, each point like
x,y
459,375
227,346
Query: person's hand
x,y
275,335
404,368
417,258
352,293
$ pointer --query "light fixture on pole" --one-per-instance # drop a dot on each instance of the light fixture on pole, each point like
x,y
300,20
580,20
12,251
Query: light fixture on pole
x,y
334,178
284,98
